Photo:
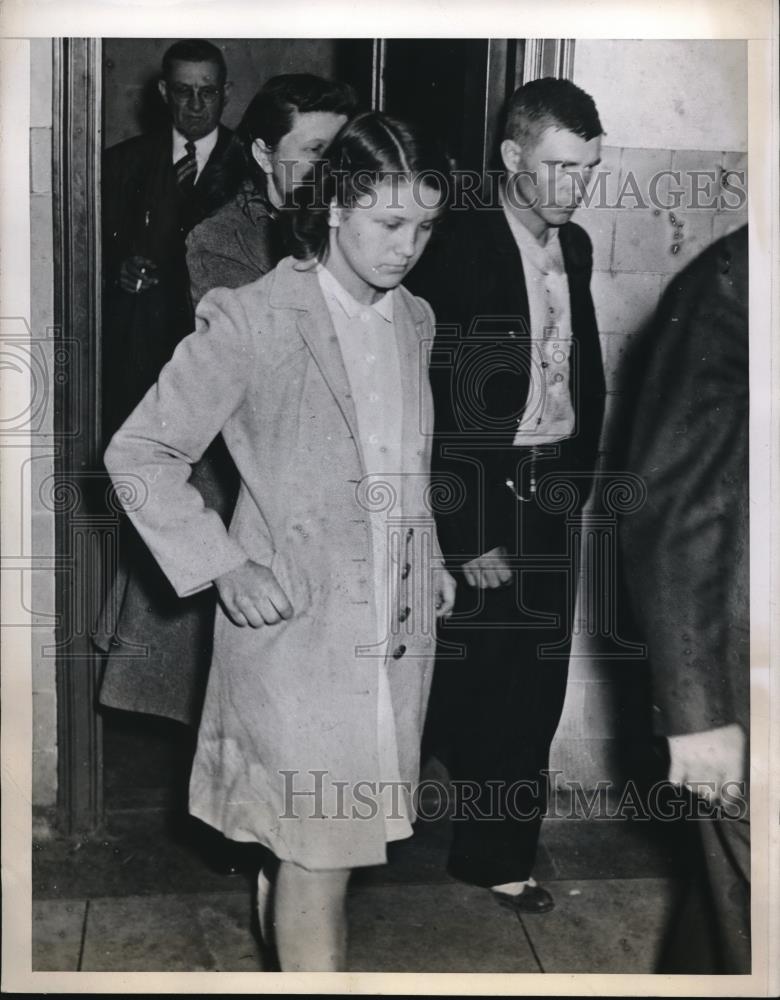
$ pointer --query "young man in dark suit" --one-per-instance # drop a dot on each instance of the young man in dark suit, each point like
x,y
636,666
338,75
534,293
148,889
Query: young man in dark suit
x,y
519,393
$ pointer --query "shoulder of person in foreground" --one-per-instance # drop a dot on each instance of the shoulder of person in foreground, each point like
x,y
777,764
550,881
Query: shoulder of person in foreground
x,y
688,441
702,317
267,309
726,258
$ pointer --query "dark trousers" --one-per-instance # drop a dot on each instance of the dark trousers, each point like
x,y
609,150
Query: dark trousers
x,y
493,713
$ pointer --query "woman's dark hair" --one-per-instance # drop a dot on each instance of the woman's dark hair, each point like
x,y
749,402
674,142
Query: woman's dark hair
x,y
369,149
270,115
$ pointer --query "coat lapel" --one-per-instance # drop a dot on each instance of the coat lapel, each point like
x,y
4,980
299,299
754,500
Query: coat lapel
x,y
296,287
578,267
409,319
215,160
508,263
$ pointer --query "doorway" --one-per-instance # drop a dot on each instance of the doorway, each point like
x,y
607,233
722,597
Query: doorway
x,y
103,91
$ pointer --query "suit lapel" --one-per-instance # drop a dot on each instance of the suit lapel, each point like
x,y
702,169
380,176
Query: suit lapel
x,y
506,301
509,270
511,274
163,177
215,158
577,268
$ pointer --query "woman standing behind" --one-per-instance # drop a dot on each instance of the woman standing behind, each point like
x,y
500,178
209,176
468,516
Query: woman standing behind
x,y
329,576
283,132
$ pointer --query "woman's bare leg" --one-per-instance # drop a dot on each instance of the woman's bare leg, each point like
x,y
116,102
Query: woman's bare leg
x,y
310,920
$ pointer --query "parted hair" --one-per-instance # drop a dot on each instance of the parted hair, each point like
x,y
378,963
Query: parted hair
x,y
367,150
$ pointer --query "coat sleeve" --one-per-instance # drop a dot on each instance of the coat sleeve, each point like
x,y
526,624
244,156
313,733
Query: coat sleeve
x,y
152,454
686,549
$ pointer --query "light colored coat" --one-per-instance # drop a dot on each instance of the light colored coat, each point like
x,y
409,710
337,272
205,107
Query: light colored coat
x,y
264,368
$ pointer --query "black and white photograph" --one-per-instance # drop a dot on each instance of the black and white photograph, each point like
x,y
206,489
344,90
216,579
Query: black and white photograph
x,y
387,457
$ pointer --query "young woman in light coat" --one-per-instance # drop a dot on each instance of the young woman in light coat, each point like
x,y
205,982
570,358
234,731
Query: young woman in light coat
x,y
329,577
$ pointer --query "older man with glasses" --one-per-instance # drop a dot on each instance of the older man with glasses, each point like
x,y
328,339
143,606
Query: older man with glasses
x,y
156,187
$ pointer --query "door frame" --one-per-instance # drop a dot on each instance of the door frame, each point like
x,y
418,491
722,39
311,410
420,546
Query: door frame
x,y
79,533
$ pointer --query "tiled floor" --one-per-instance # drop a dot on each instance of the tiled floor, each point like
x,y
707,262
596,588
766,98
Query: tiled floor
x,y
139,899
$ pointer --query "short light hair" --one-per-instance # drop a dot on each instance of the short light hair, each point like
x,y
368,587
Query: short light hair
x,y
550,102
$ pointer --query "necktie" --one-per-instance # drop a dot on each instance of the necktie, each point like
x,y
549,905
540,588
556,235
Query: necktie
x,y
187,168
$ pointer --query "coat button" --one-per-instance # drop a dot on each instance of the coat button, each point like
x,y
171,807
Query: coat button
x,y
399,651
406,571
403,615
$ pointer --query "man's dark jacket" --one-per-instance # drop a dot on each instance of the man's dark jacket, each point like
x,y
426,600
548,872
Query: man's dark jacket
x,y
481,365
146,213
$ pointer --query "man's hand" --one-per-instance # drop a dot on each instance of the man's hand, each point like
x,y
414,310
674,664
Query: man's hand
x,y
715,756
252,596
137,274
489,570
445,592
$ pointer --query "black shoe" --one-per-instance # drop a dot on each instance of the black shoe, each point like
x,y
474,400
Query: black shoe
x,y
533,899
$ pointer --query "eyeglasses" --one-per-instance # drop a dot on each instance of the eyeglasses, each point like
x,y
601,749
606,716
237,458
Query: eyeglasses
x,y
181,92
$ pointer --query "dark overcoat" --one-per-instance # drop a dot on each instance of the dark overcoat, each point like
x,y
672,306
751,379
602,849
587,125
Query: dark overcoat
x,y
685,551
